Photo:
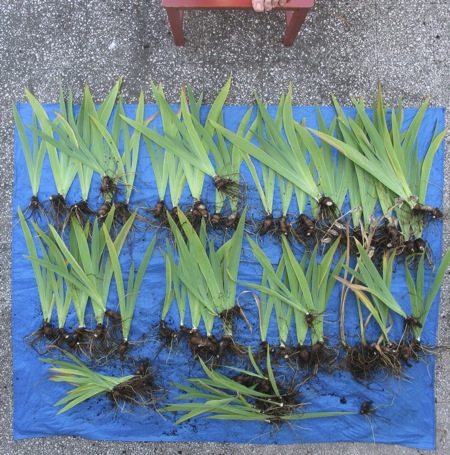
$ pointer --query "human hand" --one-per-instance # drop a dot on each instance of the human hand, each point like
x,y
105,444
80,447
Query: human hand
x,y
267,5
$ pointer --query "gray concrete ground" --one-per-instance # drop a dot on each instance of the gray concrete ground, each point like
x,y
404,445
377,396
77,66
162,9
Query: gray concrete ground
x,y
345,47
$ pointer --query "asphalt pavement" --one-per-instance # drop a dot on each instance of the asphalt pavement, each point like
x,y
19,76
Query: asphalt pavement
x,y
345,47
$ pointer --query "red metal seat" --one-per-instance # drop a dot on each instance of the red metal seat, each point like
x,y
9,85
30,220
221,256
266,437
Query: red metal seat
x,y
296,11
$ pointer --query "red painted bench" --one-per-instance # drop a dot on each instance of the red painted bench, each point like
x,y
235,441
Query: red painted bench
x,y
296,11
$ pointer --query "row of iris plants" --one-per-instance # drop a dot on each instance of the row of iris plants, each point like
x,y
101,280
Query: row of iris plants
x,y
352,197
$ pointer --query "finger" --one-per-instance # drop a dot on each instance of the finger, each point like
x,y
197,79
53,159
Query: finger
x,y
282,2
267,5
258,5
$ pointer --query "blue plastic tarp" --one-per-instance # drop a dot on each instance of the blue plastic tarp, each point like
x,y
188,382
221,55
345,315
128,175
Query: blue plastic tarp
x,y
404,408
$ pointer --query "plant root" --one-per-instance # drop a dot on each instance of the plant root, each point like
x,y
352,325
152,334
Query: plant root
x,y
45,335
114,318
328,210
321,357
58,204
203,347
227,186
159,212
166,334
259,384
361,361
420,246
229,349
278,354
279,406
104,210
314,358
217,221
394,238
59,210
268,225
34,203
121,212
79,339
174,215
426,211
227,317
284,228
232,220
303,355
123,348
35,208
210,349
414,350
283,352
305,227
197,213
80,211
108,187
101,343
366,408
331,232
139,390
365,361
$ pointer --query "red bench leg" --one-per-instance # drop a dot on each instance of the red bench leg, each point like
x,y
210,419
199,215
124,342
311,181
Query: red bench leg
x,y
175,17
294,21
